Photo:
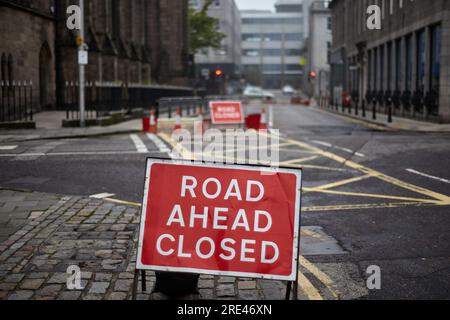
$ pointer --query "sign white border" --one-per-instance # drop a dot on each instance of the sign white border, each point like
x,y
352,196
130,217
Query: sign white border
x,y
296,243
214,121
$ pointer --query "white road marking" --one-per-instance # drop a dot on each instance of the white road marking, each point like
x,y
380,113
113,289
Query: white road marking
x,y
428,176
102,195
7,148
329,145
140,146
159,143
64,154
270,116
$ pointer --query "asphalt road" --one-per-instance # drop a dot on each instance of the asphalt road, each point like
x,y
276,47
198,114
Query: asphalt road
x,y
382,195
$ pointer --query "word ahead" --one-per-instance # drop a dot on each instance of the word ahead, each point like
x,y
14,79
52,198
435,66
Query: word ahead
x,y
211,219
226,112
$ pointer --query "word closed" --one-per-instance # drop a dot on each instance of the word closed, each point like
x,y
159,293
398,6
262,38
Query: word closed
x,y
226,112
211,219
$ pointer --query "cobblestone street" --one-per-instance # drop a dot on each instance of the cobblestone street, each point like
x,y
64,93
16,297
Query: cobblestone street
x,y
46,234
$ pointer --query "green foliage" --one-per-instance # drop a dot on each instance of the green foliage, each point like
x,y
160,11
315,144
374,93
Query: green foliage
x,y
203,30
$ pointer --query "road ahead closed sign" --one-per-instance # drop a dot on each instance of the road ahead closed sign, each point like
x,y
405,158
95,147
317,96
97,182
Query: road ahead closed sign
x,y
226,112
211,219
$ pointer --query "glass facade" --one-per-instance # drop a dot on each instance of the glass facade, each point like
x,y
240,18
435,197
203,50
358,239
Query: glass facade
x,y
420,58
409,63
398,64
435,61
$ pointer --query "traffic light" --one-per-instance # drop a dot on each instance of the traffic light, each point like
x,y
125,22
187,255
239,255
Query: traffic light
x,y
312,76
218,72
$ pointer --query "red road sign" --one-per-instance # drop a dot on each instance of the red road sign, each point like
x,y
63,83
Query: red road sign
x,y
221,220
226,112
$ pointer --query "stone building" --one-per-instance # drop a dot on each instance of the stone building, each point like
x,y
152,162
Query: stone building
x,y
405,64
317,47
133,41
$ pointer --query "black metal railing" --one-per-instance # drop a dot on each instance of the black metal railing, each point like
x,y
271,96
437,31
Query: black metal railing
x,y
104,98
16,101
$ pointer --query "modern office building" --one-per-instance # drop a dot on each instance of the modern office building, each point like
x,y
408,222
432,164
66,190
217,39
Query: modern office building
x,y
317,47
228,57
405,64
272,45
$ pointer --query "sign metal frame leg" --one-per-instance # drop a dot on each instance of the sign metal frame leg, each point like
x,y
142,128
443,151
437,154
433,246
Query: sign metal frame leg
x,y
143,275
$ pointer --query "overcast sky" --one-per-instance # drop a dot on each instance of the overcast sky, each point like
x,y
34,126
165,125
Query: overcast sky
x,y
256,4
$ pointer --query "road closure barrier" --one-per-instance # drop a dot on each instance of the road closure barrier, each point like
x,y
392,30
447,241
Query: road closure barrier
x,y
239,221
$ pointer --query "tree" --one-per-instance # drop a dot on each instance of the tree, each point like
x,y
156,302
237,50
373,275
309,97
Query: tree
x,y
203,30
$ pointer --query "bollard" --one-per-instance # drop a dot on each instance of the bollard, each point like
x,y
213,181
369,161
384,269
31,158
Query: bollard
x,y
263,121
178,120
364,108
389,110
153,128
374,108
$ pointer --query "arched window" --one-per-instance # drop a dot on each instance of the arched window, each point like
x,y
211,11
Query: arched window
x,y
3,67
10,68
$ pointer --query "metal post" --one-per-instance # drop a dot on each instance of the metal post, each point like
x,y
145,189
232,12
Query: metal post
x,y
374,108
364,108
82,69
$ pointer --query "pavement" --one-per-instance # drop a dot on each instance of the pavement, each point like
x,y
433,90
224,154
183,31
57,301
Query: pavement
x,y
48,126
397,124
371,197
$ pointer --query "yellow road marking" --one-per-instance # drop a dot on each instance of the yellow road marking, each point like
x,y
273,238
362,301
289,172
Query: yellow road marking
x,y
348,163
318,167
298,161
128,203
370,195
366,206
343,182
319,274
307,287
185,153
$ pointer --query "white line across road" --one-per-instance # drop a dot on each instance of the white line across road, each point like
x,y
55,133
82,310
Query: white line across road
x,y
329,145
7,148
428,176
140,146
159,143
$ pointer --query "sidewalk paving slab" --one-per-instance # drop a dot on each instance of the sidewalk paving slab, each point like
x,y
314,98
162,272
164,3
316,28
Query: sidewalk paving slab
x,y
100,238
398,123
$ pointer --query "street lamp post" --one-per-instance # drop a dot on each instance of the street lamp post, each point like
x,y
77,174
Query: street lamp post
x,y
81,64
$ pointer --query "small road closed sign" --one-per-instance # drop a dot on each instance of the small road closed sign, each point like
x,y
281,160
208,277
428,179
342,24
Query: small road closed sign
x,y
226,112
212,219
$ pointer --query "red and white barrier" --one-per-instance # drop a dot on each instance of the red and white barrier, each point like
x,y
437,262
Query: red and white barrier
x,y
263,122
178,125
153,123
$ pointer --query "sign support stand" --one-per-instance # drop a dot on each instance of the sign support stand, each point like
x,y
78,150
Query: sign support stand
x,y
291,286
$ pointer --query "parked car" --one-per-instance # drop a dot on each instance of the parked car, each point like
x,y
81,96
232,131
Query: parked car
x,y
258,93
288,90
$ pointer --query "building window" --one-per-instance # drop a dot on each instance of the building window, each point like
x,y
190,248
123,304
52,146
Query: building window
x,y
435,61
389,65
398,63
420,79
3,68
382,80
408,74
10,68
375,69
369,71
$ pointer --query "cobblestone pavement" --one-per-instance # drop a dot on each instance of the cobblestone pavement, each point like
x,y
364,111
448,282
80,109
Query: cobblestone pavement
x,y
46,234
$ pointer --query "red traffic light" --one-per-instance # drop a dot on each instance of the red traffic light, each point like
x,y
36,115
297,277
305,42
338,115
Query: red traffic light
x,y
218,72
312,75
